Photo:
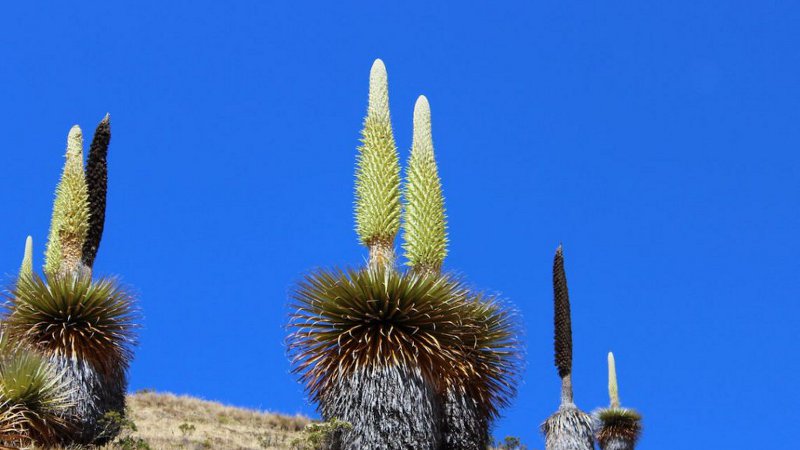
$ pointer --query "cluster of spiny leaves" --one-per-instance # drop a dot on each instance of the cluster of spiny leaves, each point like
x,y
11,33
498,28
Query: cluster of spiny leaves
x,y
74,317
349,321
66,315
33,398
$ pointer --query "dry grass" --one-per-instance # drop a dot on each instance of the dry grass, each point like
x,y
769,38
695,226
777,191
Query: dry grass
x,y
166,422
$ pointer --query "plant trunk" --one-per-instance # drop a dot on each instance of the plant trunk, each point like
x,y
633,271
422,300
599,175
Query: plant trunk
x,y
617,443
393,408
464,426
568,429
93,395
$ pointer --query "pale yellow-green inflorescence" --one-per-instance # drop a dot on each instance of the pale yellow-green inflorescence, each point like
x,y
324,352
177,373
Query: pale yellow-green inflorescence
x,y
613,390
26,269
70,220
425,224
377,192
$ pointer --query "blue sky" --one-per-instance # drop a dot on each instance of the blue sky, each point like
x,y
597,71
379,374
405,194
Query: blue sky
x,y
657,140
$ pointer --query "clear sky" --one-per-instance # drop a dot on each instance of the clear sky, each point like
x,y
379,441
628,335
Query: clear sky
x,y
659,142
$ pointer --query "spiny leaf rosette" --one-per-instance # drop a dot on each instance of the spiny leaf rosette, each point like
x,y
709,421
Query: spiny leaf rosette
x,y
34,397
85,327
364,337
618,428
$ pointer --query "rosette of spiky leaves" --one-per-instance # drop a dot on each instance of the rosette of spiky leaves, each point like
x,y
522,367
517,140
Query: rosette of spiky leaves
x,y
72,316
70,220
492,353
345,320
97,184
377,191
493,357
33,399
618,428
425,224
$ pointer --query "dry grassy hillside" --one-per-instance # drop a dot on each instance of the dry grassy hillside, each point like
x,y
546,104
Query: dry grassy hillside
x,y
166,421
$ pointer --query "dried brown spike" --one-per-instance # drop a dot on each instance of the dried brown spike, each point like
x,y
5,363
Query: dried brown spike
x,y
97,182
561,317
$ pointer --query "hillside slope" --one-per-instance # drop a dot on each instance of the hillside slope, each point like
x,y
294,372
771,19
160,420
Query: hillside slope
x,y
166,421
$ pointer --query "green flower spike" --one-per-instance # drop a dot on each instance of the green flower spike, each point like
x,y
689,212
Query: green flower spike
x,y
70,220
425,226
377,205
26,269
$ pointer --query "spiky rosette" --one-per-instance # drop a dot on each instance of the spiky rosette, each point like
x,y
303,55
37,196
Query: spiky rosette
x,y
96,183
33,399
568,429
425,224
377,191
345,320
72,316
618,428
492,352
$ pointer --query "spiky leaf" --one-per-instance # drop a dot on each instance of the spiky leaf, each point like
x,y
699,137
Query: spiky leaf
x,y
377,191
96,183
70,219
425,224
75,317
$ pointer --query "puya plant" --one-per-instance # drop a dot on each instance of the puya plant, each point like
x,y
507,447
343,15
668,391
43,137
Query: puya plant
x,y
83,325
617,428
381,348
569,428
34,397
472,400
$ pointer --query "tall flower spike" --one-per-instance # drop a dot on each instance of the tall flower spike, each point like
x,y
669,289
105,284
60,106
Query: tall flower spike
x,y
569,428
96,183
425,225
613,390
70,220
377,192
563,326
26,269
